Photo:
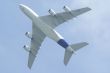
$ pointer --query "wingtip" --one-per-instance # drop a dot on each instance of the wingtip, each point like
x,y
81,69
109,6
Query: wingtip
x,y
86,43
65,63
89,8
29,67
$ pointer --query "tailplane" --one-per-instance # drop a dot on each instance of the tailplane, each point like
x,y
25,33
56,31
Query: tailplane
x,y
71,49
67,56
77,46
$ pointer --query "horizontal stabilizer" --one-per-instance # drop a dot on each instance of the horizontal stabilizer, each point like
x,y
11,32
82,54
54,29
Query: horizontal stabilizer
x,y
70,50
77,46
67,56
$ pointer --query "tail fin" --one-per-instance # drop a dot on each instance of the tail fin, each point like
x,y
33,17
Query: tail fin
x,y
69,51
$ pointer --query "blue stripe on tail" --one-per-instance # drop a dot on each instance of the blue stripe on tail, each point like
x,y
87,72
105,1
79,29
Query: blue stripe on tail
x,y
63,43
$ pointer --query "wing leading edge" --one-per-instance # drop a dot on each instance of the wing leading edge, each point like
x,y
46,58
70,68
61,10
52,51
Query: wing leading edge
x,y
36,41
62,17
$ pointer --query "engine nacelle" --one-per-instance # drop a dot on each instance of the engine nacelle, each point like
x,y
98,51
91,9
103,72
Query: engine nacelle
x,y
66,8
27,48
51,11
29,35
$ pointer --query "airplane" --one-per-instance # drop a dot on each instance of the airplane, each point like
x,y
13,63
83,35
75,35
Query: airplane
x,y
44,26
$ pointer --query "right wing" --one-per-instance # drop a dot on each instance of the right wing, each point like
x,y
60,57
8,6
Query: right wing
x,y
36,41
62,17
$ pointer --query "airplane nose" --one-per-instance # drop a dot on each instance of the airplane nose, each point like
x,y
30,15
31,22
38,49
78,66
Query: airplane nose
x,y
21,6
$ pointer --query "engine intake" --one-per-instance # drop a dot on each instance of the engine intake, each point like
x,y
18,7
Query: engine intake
x,y
27,48
51,11
66,8
29,35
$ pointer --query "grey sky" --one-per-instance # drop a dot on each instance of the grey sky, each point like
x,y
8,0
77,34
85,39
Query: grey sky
x,y
93,27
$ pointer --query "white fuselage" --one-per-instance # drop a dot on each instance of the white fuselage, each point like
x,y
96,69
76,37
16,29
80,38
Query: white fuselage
x,y
45,28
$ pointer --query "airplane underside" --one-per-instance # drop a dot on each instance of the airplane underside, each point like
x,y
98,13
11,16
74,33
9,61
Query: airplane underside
x,y
43,26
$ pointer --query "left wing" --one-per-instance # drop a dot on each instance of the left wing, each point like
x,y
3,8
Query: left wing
x,y
62,17
36,41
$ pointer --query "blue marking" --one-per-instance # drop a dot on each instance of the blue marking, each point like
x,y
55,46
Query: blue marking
x,y
63,43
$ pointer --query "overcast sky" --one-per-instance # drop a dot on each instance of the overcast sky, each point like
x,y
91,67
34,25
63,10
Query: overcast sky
x,y
92,27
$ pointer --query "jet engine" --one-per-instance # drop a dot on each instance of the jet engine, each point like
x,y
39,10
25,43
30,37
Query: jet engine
x,y
29,35
27,48
51,11
66,8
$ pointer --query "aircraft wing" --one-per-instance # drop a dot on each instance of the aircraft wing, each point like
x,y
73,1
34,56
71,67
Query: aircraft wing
x,y
62,17
36,41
